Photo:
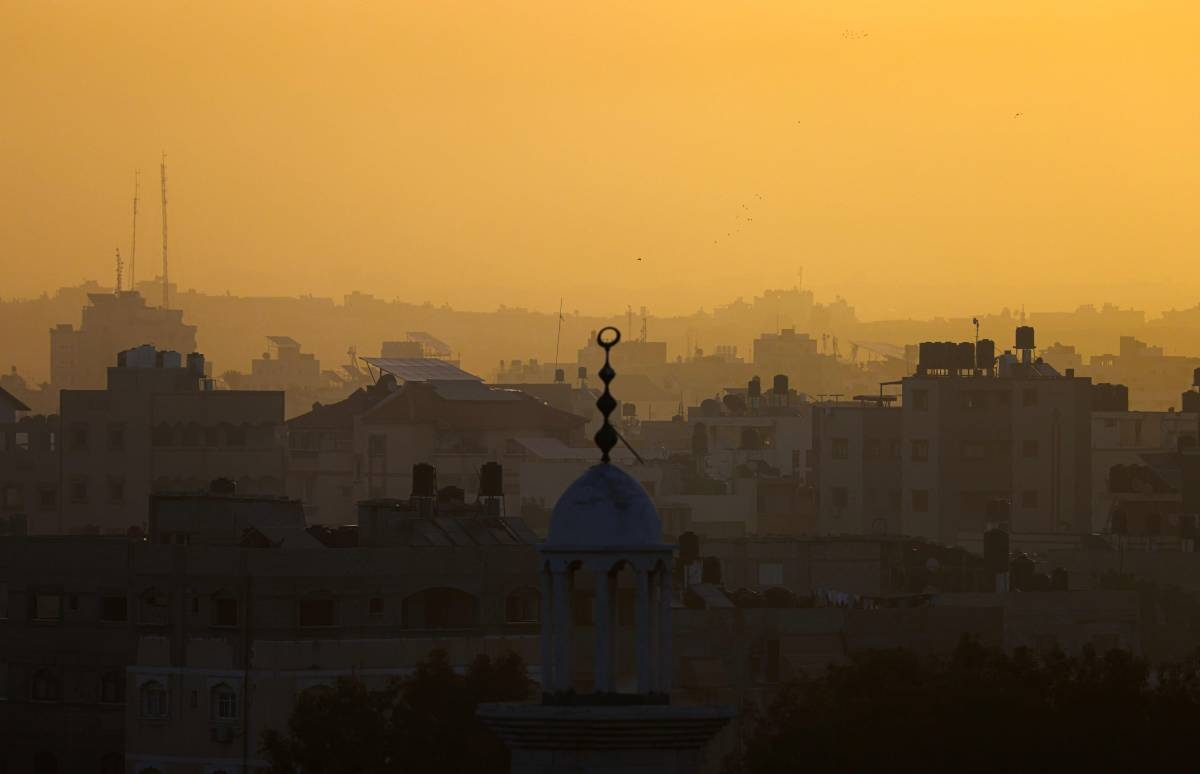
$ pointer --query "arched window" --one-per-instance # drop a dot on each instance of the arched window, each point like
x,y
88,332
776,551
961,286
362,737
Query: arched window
x,y
523,606
46,686
441,608
223,701
112,688
152,700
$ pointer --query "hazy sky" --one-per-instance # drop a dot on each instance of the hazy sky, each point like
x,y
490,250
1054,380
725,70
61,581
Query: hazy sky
x,y
915,157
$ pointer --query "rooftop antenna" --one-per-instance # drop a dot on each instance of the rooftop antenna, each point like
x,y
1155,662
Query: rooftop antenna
x,y
119,268
645,333
558,336
137,173
628,316
163,173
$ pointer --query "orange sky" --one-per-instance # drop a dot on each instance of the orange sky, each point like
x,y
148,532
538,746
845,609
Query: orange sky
x,y
482,153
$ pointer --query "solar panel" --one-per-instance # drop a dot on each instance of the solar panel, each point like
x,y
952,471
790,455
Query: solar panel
x,y
421,369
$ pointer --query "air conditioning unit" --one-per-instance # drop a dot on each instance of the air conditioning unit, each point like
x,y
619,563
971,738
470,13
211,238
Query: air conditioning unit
x,y
223,734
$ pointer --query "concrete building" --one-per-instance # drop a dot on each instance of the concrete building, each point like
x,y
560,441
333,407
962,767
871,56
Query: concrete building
x,y
29,469
975,433
1124,438
857,451
157,428
112,322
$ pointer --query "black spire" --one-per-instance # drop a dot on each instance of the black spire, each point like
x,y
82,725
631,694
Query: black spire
x,y
606,436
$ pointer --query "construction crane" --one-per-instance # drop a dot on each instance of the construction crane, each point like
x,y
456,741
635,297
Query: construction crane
x,y
163,173
133,235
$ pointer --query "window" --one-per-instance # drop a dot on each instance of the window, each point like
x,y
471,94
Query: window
x,y
316,611
920,451
79,437
224,703
21,441
47,497
523,606
1029,498
116,437
79,490
770,573
1029,396
973,451
225,610
116,490
920,500
375,608
47,607
841,498
841,448
973,400
152,700
114,608
1029,449
46,686
112,688
11,497
51,441
920,400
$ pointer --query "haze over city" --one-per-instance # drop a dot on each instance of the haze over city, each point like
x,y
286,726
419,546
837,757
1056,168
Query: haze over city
x,y
910,156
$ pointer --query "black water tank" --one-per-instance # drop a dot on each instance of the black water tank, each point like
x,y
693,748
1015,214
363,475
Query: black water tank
x,y
964,356
754,388
985,354
710,571
424,478
1022,569
781,384
995,552
491,480
1025,338
689,547
560,376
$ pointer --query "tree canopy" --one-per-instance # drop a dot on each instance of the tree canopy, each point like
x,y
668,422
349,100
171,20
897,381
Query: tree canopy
x,y
981,711
425,722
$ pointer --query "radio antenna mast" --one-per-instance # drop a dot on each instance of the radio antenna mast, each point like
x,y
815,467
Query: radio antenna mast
x,y
163,172
119,268
133,234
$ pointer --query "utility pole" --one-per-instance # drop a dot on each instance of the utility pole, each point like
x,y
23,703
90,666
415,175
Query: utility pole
x,y
119,268
163,173
133,234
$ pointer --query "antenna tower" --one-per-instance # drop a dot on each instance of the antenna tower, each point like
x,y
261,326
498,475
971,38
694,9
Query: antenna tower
x,y
163,173
119,268
133,234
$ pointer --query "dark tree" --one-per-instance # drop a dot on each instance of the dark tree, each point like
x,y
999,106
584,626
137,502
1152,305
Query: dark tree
x,y
423,723
978,711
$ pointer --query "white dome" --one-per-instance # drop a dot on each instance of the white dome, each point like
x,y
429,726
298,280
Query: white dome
x,y
604,508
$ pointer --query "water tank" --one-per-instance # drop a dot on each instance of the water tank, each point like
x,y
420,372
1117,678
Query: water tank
x,y
170,359
1022,573
985,354
424,478
964,356
710,408
995,552
754,388
1025,339
1196,378
491,480
195,364
689,547
781,384
582,373
1190,401
560,376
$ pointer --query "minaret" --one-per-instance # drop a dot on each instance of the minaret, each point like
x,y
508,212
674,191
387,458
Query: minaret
x,y
594,719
